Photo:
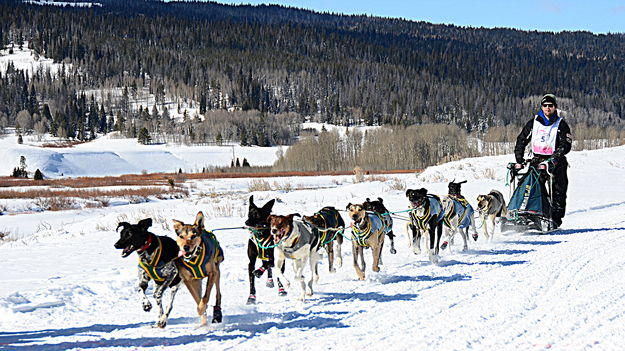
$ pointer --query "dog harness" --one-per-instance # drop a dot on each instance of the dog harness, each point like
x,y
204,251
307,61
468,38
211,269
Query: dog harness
x,y
464,213
209,250
435,209
262,243
305,237
360,236
153,265
331,224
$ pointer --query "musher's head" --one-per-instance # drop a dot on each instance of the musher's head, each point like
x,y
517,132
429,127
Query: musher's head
x,y
548,104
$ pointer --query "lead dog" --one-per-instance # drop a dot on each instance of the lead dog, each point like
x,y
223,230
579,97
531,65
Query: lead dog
x,y
259,246
157,256
330,226
378,206
426,216
201,256
367,232
294,240
491,207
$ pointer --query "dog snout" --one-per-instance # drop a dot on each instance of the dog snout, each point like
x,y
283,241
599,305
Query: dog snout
x,y
274,231
186,248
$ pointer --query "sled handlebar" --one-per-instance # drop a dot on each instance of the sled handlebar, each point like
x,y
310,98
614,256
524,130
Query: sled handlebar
x,y
542,166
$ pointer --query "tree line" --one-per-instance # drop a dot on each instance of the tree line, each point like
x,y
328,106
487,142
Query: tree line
x,y
256,72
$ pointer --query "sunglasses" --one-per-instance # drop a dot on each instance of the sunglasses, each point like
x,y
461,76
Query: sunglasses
x,y
547,105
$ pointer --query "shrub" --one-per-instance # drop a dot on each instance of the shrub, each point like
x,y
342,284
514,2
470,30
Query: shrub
x,y
38,175
259,185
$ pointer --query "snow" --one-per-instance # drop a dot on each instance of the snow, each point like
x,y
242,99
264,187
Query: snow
x,y
108,156
64,286
25,59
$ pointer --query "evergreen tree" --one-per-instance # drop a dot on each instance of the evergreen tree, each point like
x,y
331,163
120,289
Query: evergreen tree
x,y
144,136
38,175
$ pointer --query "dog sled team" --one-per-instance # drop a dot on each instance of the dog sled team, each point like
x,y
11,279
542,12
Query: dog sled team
x,y
194,257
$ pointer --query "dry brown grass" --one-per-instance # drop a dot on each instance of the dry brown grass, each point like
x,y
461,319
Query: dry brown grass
x,y
94,194
258,185
398,184
166,179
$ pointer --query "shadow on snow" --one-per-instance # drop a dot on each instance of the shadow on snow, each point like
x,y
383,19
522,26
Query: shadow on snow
x,y
236,326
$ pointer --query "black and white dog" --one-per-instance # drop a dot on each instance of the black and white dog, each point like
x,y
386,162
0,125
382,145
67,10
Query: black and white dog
x,y
426,216
330,226
157,261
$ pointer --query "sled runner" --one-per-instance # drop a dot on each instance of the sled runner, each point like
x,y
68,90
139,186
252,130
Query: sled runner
x,y
529,208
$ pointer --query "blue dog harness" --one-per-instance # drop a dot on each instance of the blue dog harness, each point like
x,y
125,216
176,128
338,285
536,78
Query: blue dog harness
x,y
209,250
435,209
360,236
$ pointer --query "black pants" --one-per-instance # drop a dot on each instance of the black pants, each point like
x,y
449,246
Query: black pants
x,y
560,185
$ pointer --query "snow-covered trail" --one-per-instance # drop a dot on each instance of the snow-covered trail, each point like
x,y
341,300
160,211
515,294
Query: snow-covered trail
x,y
69,289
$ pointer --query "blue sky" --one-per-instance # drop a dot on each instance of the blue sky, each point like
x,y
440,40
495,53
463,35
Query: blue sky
x,y
597,16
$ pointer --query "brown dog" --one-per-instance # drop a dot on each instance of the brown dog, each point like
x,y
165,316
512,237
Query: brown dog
x,y
491,207
367,232
201,256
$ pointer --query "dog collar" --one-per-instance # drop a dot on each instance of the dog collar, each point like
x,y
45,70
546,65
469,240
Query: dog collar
x,y
147,244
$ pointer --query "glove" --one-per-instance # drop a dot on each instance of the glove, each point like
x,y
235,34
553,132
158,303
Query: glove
x,y
551,164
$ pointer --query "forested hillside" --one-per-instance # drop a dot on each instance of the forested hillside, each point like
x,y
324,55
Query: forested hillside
x,y
286,64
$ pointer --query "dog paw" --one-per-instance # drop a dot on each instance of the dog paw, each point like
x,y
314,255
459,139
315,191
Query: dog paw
x,y
375,268
251,300
259,272
474,236
270,283
147,307
393,251
444,245
216,315
161,323
281,292
332,270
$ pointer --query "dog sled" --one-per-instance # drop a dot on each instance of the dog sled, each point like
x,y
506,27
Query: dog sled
x,y
530,205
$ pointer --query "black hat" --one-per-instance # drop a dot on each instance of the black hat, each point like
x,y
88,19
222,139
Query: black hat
x,y
549,98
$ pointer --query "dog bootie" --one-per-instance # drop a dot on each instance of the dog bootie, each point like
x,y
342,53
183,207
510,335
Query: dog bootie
x,y
216,315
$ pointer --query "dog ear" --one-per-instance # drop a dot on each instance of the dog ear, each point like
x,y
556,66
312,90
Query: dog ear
x,y
122,224
178,225
269,205
252,205
145,223
348,206
367,200
408,192
269,218
295,214
199,220
380,199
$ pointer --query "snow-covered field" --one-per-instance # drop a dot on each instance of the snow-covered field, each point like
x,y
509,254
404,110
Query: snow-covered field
x,y
64,286
108,156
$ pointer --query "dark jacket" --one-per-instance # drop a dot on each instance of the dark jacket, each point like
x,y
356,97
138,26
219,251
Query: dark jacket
x,y
563,139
